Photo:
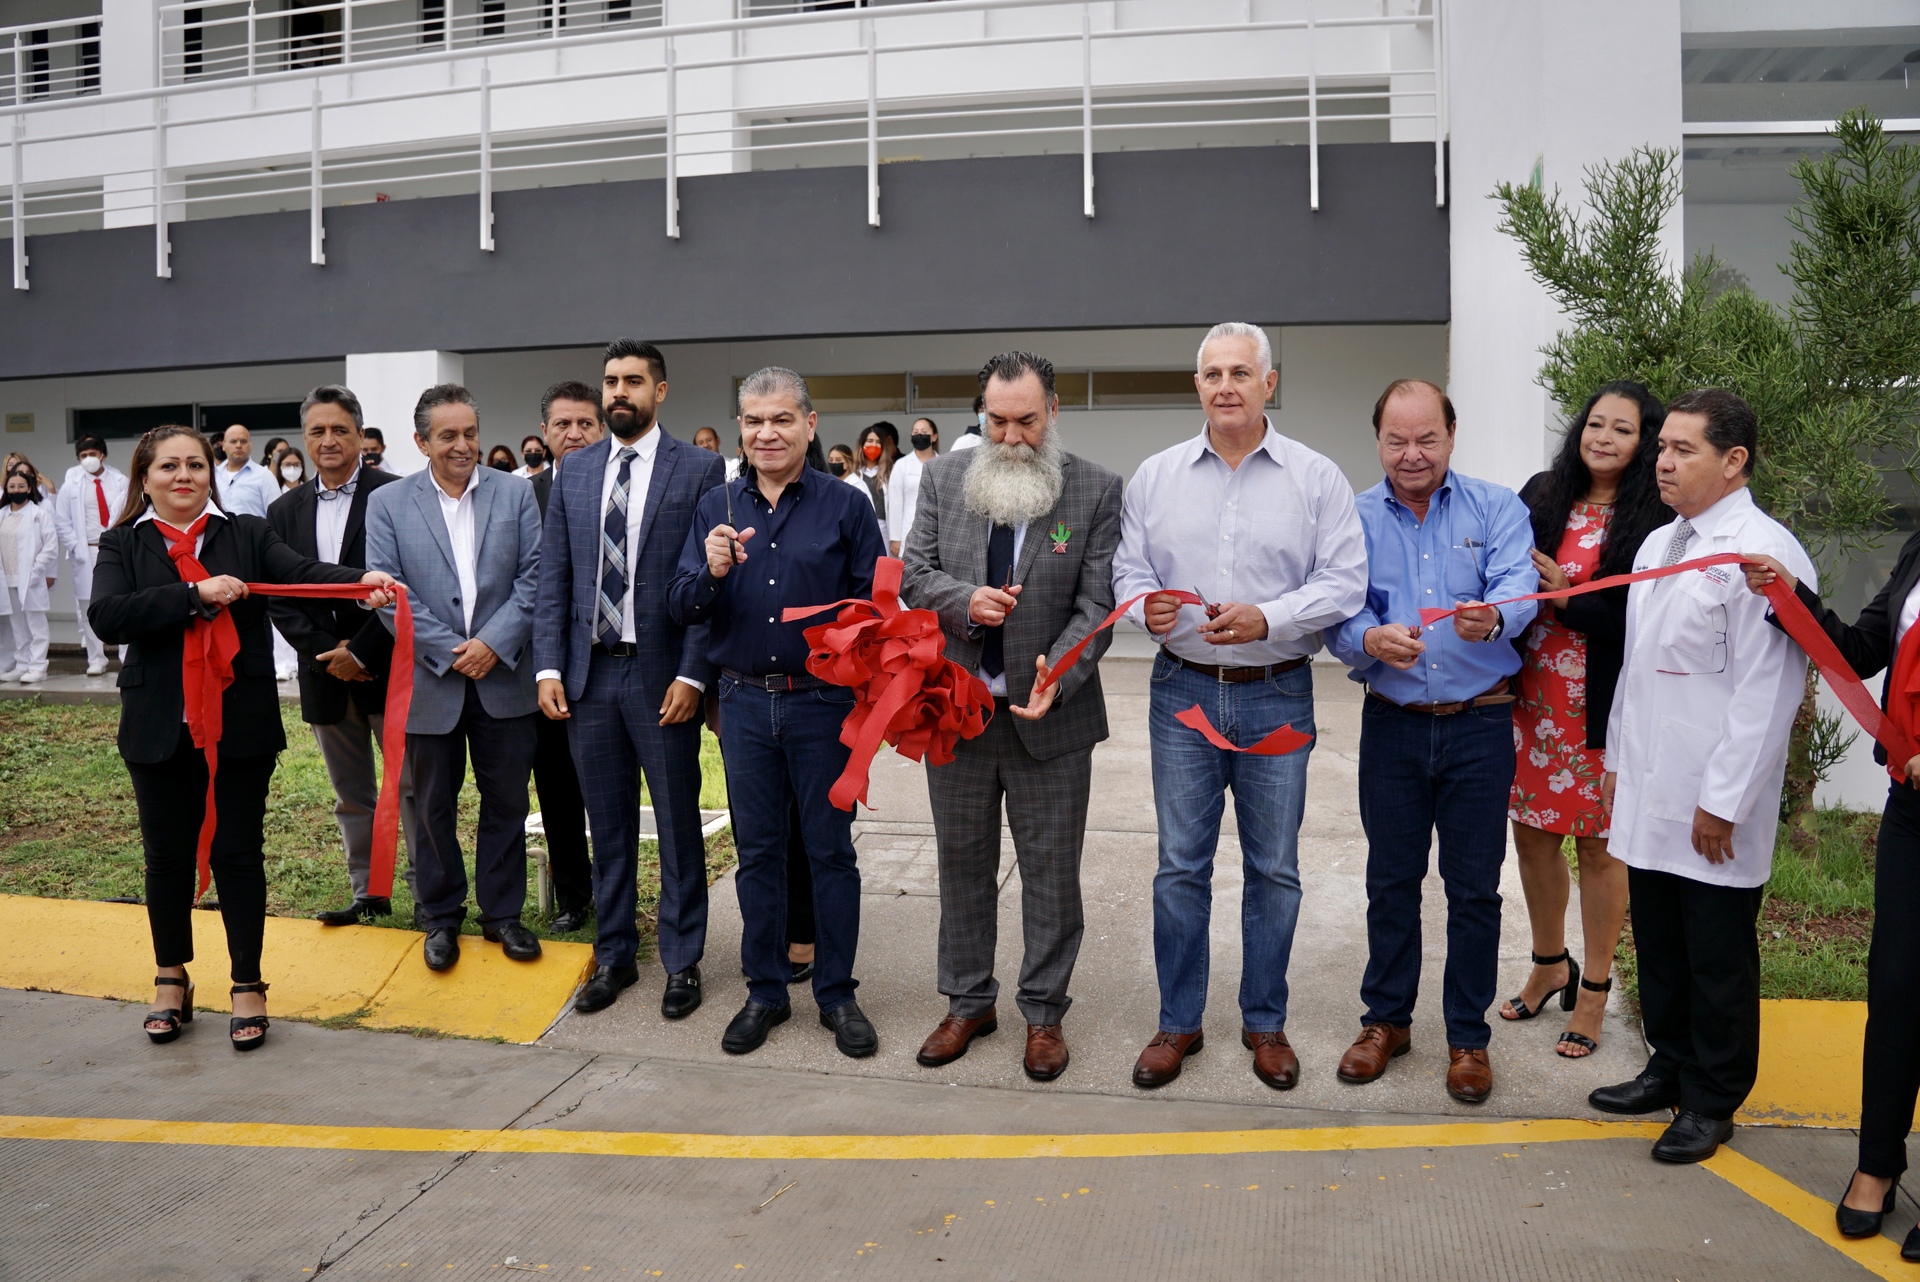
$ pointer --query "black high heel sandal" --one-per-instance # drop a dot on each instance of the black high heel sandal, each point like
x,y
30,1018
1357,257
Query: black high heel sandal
x,y
175,1018
1853,1222
1571,1038
1567,996
238,1025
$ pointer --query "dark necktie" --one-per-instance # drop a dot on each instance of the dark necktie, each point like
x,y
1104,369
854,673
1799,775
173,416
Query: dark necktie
x,y
993,653
613,552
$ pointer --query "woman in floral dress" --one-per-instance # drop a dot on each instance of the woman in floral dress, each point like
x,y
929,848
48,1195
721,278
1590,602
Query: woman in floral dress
x,y
1591,511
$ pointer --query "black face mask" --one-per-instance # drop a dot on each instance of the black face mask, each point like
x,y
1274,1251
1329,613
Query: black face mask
x,y
839,468
534,458
921,441
16,498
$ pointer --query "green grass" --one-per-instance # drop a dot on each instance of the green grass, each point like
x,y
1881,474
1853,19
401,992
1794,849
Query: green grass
x,y
69,828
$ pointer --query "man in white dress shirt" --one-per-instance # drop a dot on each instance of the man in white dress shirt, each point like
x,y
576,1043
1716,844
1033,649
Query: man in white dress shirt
x,y
903,483
1266,530
245,486
1696,754
89,501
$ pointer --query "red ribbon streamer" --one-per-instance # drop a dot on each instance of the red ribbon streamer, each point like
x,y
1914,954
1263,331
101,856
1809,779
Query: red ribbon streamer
x,y
207,670
1798,623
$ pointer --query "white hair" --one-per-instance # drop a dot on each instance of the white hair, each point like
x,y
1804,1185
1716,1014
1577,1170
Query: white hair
x,y
1263,349
1012,484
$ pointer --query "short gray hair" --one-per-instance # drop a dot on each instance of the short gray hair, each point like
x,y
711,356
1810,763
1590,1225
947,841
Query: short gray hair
x,y
776,380
333,394
1237,329
434,397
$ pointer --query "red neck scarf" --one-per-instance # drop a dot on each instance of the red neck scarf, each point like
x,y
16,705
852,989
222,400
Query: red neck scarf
x,y
1903,703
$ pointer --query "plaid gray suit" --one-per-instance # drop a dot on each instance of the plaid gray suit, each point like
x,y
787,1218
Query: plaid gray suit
x,y
1043,769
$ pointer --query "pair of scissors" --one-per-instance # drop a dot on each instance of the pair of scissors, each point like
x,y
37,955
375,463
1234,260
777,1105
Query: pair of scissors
x,y
1213,611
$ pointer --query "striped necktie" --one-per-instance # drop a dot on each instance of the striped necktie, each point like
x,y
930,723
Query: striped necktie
x,y
1677,546
613,551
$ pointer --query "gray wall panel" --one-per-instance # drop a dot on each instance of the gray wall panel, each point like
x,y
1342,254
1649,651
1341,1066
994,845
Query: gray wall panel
x,y
1182,238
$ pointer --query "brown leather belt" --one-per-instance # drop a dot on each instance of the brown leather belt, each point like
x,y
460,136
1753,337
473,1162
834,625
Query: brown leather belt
x,y
1234,676
1497,693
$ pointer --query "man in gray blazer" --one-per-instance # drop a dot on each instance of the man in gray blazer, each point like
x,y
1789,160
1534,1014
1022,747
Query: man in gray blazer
x,y
466,541
1012,546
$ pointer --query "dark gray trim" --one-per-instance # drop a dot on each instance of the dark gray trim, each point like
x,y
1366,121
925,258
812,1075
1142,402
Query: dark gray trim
x,y
1182,238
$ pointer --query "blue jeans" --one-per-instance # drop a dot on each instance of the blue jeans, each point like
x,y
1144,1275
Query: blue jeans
x,y
1190,779
781,748
1419,772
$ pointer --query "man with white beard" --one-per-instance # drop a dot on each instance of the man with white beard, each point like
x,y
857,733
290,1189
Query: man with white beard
x,y
1012,546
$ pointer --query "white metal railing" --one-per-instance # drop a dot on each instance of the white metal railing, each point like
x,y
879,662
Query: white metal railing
x,y
1072,107
42,60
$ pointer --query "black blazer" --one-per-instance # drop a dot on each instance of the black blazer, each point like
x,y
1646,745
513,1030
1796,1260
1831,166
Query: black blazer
x,y
314,627
1868,646
140,601
1601,617
542,483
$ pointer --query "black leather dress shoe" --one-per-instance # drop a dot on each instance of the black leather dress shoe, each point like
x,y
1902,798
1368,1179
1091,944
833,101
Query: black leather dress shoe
x,y
682,997
1691,1137
354,913
568,920
1853,1222
442,948
802,972
515,940
1910,1249
1646,1093
852,1031
750,1027
604,986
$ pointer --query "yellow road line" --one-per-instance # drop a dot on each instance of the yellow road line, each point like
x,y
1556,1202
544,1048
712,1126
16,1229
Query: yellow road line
x,y
1877,1255
398,1139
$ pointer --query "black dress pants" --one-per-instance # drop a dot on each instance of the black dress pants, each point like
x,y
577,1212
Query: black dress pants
x,y
563,814
172,799
1699,961
1890,1069
502,749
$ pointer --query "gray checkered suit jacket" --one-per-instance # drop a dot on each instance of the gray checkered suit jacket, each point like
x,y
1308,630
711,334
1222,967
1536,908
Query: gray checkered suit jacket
x,y
1066,590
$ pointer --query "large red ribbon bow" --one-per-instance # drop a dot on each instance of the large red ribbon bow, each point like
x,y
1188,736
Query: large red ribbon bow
x,y
206,670
907,692
1795,619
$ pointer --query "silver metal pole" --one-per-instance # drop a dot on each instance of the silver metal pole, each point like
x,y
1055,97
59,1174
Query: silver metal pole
x,y
673,149
253,40
873,127
1086,109
486,158
1439,111
316,230
346,32
1313,116
17,211
162,266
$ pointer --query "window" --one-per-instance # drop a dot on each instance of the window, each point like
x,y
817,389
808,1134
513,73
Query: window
x,y
192,40
433,22
128,422
1128,389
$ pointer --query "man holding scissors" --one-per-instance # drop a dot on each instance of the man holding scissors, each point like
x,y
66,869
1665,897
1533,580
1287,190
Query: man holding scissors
x,y
1266,528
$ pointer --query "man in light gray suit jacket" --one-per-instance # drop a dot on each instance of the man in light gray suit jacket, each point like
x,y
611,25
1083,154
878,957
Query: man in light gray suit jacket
x,y
1012,546
466,541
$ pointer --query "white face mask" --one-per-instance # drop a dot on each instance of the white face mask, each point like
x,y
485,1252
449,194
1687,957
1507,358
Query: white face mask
x,y
91,465
291,472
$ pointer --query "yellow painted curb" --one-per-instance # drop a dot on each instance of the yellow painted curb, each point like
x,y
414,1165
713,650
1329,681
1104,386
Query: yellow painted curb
x,y
317,972
1877,1255
917,1148
1809,1065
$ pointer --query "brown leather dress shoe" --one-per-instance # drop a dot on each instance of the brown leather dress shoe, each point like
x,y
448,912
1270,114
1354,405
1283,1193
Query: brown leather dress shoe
x,y
1469,1076
1367,1058
1046,1052
1160,1062
1273,1059
949,1041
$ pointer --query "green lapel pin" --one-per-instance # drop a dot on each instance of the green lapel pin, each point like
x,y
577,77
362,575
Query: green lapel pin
x,y
1060,534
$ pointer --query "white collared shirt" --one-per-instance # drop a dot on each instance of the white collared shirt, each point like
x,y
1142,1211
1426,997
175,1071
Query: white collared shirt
x,y
331,507
1706,700
903,496
1909,615
1279,532
458,513
639,477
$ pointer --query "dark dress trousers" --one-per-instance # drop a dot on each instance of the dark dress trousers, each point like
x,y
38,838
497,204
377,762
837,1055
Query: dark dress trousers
x,y
563,814
140,601
1890,1061
614,730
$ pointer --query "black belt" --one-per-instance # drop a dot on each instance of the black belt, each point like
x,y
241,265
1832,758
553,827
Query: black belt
x,y
1235,675
618,650
1495,694
779,683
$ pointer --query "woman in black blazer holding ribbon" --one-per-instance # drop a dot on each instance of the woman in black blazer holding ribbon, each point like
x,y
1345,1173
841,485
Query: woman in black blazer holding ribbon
x,y
172,560
1890,1060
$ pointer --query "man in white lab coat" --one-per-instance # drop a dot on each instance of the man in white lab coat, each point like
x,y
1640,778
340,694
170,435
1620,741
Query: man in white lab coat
x,y
1696,754
89,501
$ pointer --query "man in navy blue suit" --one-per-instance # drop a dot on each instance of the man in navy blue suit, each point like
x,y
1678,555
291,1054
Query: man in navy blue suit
x,y
610,661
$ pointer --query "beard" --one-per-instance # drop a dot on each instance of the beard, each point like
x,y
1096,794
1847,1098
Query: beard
x,y
628,420
1014,484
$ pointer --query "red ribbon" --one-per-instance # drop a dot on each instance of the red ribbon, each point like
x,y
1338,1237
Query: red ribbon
x,y
207,670
908,693
1795,619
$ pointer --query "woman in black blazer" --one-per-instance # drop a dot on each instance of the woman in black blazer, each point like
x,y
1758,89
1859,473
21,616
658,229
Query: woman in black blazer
x,y
1890,1060
141,600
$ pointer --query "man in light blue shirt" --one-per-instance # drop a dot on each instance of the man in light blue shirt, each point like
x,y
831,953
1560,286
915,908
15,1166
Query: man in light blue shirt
x,y
245,486
1436,732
